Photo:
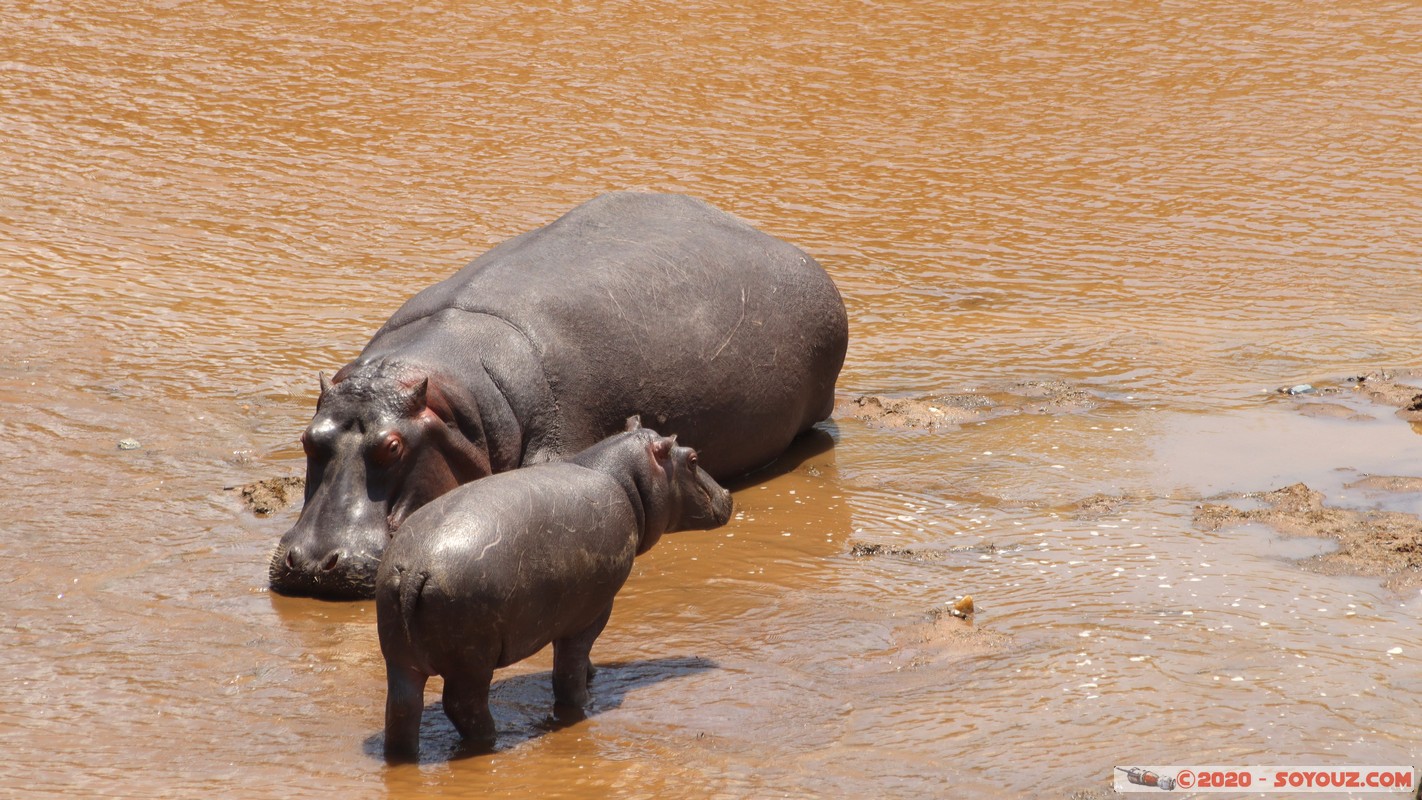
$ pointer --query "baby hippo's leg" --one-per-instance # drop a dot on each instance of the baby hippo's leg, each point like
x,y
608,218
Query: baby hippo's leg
x,y
404,704
572,664
466,703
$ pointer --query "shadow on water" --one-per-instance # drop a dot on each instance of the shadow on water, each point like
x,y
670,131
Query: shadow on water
x,y
523,707
816,441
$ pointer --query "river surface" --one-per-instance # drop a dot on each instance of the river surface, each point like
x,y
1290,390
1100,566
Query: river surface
x,y
1177,207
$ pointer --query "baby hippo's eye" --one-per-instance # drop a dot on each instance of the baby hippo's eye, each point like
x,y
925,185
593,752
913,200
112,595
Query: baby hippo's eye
x,y
691,458
389,451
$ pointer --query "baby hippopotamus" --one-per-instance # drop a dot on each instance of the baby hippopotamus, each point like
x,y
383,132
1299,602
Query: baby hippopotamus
x,y
491,572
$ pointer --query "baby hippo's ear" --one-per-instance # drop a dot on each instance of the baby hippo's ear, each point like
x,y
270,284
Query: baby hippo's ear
x,y
661,449
634,422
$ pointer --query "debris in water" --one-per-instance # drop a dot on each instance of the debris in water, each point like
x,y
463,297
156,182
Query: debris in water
x,y
963,608
128,444
267,497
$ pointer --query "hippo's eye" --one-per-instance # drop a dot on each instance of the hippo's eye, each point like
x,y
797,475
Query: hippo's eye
x,y
389,450
307,445
691,458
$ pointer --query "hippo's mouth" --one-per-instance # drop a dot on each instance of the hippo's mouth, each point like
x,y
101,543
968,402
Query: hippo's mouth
x,y
350,580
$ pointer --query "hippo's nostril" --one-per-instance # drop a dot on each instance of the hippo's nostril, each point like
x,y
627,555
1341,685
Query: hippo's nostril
x,y
290,562
331,562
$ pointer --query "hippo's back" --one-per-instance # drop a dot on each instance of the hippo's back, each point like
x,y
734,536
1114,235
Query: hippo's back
x,y
663,306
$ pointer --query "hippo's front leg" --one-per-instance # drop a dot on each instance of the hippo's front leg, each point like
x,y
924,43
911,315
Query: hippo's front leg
x,y
572,663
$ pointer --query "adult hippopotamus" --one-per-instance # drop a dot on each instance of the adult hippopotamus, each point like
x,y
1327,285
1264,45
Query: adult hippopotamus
x,y
494,571
631,303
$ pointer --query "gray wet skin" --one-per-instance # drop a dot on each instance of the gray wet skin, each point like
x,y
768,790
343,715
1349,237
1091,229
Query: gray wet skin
x,y
494,571
630,303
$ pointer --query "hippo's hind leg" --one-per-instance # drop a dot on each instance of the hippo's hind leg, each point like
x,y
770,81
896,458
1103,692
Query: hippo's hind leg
x,y
404,705
466,703
572,663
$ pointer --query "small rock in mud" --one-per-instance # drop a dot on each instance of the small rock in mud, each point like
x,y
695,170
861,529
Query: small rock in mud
x,y
1373,543
267,497
1305,390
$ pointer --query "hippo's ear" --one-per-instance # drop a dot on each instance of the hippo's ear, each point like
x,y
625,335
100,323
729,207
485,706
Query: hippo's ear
x,y
325,383
634,422
661,448
418,397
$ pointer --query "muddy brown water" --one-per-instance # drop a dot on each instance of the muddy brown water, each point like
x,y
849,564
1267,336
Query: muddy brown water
x,y
1176,207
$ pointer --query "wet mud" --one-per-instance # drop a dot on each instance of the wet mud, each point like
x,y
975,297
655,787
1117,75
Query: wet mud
x,y
946,635
271,495
1398,389
875,549
1370,542
1373,543
948,411
1387,484
1102,506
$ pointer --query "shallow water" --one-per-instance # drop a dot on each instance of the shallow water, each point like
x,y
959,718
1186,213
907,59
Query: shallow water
x,y
1179,207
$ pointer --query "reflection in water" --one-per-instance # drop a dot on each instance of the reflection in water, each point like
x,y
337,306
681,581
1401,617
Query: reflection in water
x,y
1178,208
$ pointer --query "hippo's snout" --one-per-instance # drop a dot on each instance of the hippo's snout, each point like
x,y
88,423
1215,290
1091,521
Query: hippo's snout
x,y
334,573
712,506
721,507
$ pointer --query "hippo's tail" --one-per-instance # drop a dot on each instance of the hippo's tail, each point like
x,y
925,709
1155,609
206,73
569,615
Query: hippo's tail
x,y
402,597
411,584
